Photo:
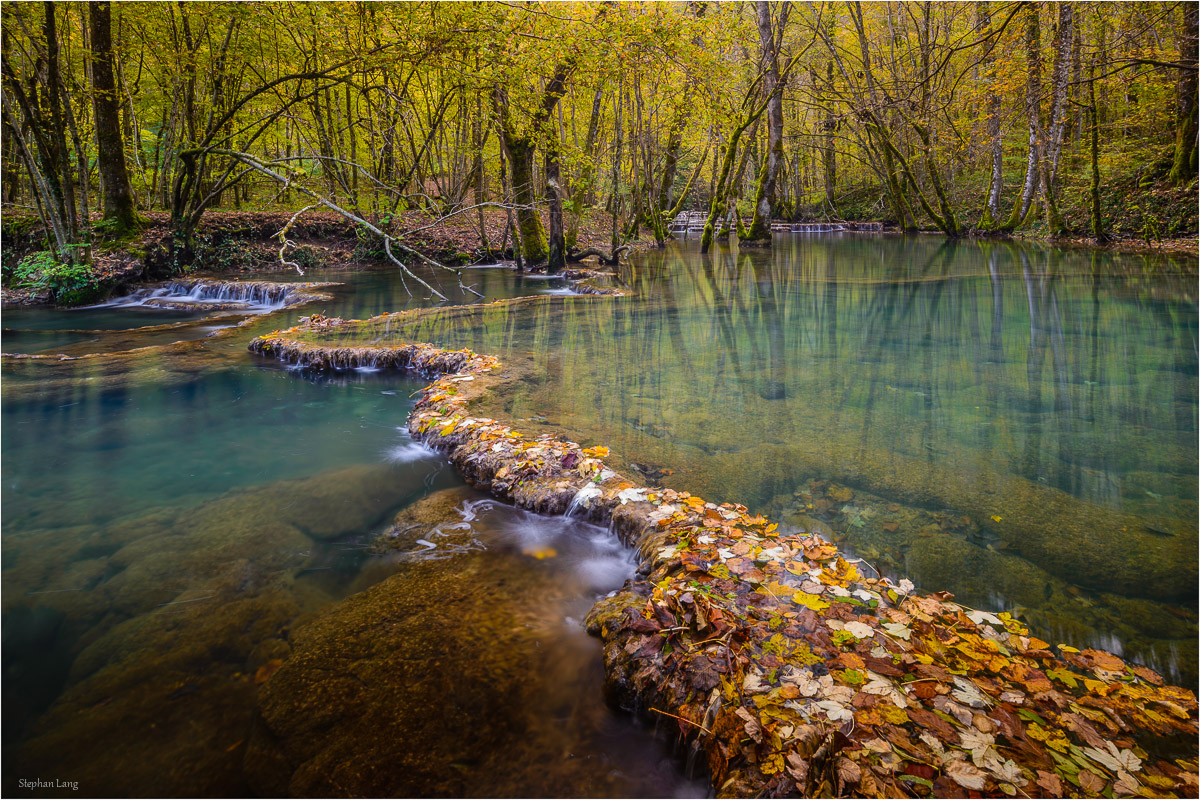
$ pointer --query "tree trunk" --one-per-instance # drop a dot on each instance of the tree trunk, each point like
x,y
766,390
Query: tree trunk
x,y
119,210
991,208
1050,136
1097,212
770,37
1059,88
1184,165
555,254
64,180
829,153
1033,91
533,234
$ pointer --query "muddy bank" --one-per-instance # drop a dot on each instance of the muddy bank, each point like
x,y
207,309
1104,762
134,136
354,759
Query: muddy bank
x,y
794,671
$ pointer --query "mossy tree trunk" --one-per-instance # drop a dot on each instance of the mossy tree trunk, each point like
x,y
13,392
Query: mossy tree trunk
x,y
770,37
119,210
1184,165
533,235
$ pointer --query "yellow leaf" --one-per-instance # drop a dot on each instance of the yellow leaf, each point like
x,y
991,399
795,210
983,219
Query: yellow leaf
x,y
772,764
809,600
996,519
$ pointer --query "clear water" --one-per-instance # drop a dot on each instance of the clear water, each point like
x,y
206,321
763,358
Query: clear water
x,y
171,514
1016,424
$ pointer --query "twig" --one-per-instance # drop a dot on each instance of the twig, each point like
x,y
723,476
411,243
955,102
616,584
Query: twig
x,y
683,719
285,242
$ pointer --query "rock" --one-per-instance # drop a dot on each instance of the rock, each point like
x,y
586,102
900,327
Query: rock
x,y
401,690
840,494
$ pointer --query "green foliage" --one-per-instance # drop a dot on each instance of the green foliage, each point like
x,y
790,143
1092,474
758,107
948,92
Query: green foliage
x,y
68,284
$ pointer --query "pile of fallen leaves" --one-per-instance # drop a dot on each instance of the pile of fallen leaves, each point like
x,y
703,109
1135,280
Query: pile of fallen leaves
x,y
797,672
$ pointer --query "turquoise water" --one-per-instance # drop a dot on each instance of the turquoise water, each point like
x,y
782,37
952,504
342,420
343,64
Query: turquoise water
x,y
1015,424
171,514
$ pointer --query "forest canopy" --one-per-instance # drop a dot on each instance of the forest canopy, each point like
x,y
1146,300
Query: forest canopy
x,y
966,117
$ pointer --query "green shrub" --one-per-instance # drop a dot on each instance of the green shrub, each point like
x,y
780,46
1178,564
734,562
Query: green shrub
x,y
68,284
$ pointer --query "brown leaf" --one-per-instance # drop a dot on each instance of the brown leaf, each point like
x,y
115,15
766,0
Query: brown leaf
x,y
966,775
1091,782
1079,725
797,767
1050,782
848,773
267,670
750,724
1104,660
1148,675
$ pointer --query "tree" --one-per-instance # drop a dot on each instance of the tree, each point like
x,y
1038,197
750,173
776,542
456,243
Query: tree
x,y
770,39
1184,164
119,211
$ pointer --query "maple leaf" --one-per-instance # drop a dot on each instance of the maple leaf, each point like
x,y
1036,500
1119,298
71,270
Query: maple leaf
x,y
967,692
977,743
1008,771
835,711
980,617
634,495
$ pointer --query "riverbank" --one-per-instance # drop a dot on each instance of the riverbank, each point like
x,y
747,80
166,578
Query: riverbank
x,y
236,242
789,668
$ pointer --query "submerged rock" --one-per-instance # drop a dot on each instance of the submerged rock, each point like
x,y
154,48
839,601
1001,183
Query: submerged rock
x,y
402,690
173,621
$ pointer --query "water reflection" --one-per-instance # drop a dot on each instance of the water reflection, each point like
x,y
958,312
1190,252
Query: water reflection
x,y
1041,401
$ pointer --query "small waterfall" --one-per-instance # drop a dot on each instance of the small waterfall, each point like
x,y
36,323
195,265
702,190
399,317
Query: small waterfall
x,y
260,296
582,498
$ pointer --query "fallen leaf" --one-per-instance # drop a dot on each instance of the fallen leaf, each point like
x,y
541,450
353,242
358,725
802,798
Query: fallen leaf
x,y
1090,782
966,775
267,670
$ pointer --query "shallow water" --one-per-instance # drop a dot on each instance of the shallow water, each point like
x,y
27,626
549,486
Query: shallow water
x,y
173,516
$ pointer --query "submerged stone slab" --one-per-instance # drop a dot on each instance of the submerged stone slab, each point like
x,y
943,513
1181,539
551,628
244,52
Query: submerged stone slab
x,y
796,671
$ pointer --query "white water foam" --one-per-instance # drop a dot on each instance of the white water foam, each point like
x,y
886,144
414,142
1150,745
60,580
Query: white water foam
x,y
257,297
409,452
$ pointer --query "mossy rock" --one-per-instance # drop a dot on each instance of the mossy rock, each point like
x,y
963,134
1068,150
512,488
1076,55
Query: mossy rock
x,y
401,690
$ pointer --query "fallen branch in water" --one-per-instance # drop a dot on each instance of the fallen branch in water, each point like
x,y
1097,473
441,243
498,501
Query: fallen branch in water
x,y
389,241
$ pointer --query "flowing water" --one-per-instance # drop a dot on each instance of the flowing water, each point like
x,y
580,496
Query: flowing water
x,y
193,536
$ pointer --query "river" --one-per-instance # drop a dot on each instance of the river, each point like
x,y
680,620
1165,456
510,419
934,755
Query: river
x,y
1013,423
